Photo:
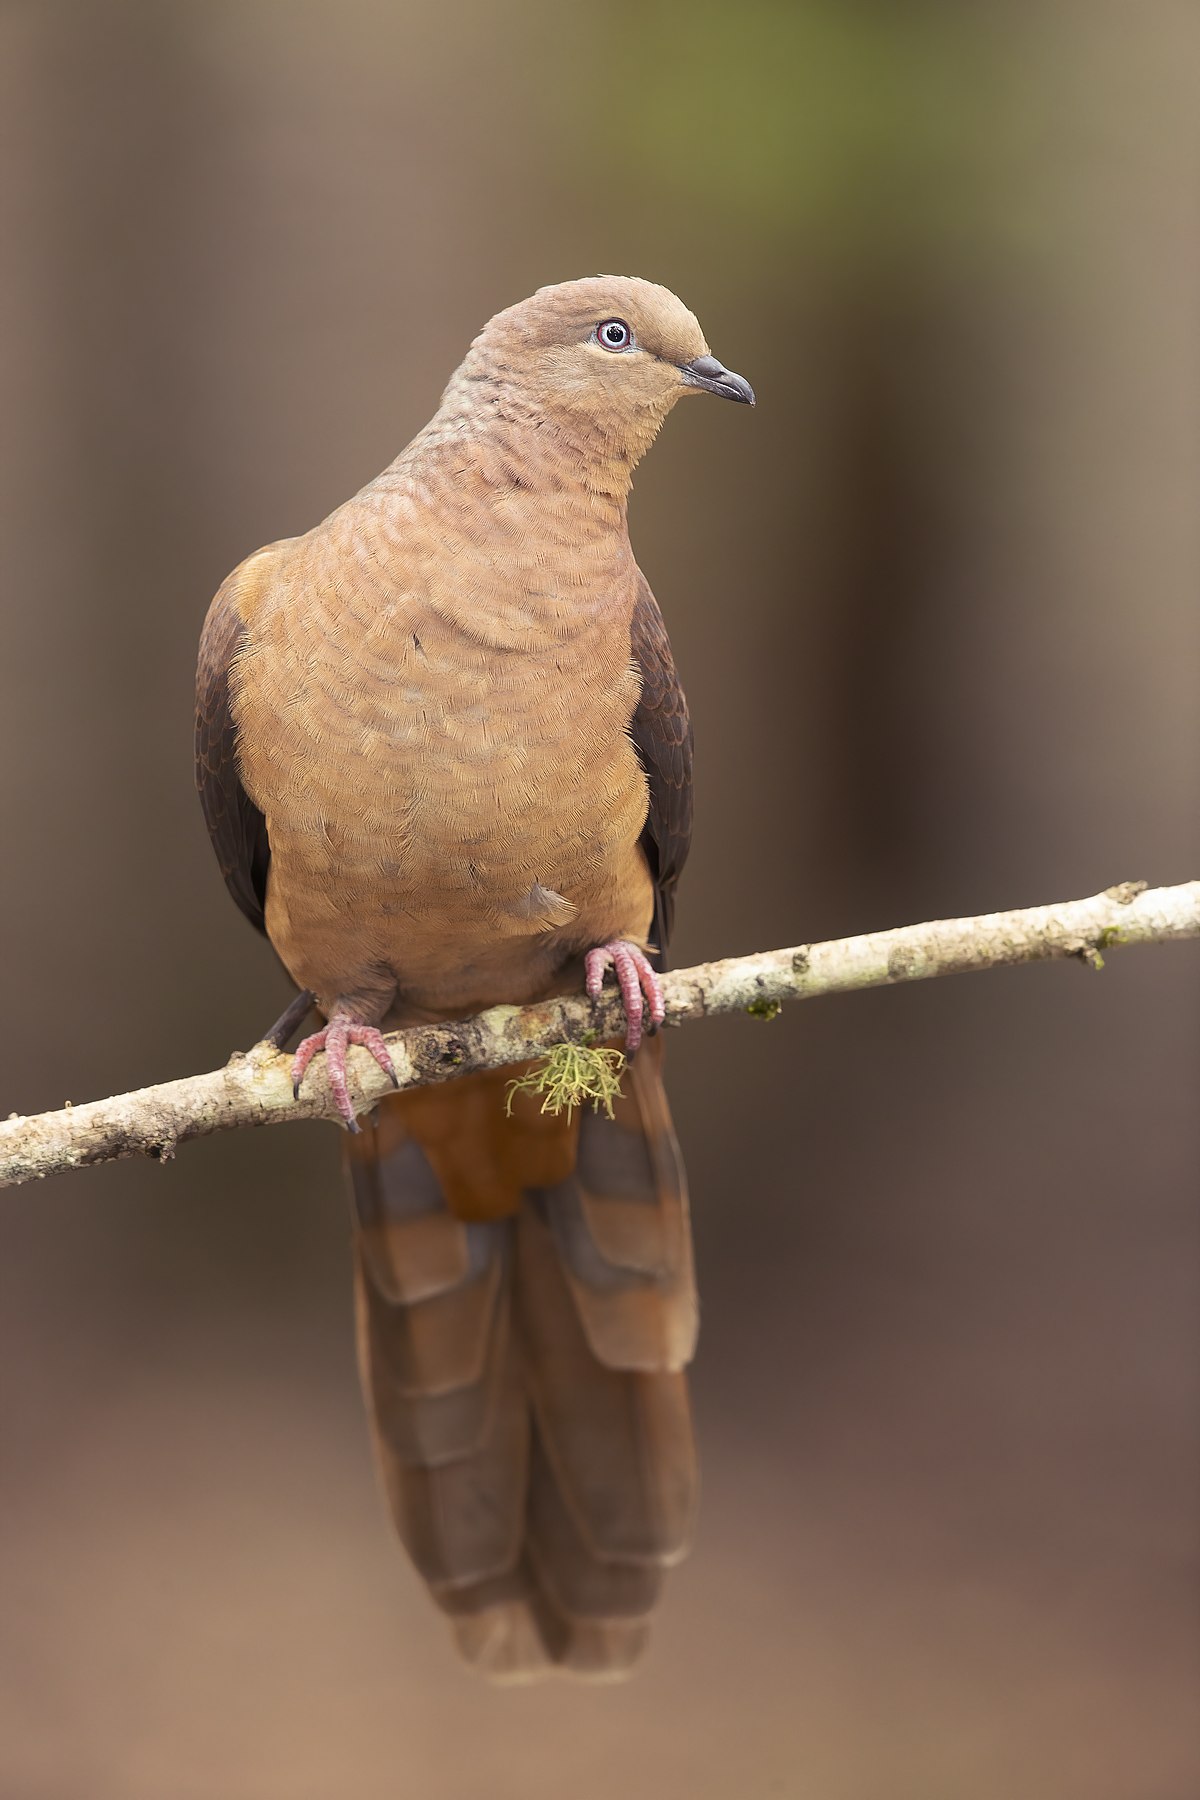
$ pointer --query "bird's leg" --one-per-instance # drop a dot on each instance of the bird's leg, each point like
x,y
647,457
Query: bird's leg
x,y
334,1039
290,1020
635,978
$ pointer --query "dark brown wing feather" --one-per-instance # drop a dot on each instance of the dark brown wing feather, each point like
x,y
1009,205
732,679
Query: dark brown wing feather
x,y
235,825
662,733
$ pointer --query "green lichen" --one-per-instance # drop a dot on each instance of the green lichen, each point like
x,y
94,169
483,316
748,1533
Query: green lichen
x,y
573,1075
765,1009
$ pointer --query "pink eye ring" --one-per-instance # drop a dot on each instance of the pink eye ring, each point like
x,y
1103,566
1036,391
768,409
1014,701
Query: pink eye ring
x,y
613,334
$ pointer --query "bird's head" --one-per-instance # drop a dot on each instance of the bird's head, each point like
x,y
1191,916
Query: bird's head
x,y
606,357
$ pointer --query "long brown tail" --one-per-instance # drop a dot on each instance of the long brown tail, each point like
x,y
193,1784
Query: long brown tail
x,y
526,1309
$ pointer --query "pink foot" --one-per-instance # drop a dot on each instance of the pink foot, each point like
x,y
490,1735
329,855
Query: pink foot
x,y
334,1040
635,977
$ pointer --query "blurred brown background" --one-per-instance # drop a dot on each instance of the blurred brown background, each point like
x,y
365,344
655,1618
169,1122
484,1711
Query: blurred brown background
x,y
935,604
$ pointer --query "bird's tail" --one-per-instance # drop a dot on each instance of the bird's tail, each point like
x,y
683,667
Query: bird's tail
x,y
526,1311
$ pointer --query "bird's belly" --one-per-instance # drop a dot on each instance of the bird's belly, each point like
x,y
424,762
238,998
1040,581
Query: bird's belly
x,y
464,858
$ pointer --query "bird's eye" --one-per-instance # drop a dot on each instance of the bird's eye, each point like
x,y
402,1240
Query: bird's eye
x,y
614,334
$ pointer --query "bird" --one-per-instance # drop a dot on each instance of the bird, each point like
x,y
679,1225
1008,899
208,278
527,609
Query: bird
x,y
445,762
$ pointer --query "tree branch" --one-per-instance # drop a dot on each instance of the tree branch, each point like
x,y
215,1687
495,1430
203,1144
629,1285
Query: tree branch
x,y
255,1088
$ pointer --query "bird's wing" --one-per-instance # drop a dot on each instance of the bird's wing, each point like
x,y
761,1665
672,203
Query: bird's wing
x,y
662,732
235,825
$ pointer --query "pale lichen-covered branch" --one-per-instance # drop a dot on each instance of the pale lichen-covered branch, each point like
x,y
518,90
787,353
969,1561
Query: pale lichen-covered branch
x,y
255,1088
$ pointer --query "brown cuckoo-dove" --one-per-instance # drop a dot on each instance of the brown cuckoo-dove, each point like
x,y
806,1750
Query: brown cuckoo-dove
x,y
445,762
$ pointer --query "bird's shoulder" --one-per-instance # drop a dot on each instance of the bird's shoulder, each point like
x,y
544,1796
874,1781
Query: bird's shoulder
x,y
239,599
236,826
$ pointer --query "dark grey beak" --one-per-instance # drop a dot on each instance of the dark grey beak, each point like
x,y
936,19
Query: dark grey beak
x,y
707,372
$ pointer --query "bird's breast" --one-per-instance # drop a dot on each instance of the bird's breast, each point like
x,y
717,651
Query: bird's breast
x,y
407,762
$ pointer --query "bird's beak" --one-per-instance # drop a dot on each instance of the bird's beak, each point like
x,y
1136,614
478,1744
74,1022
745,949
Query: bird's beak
x,y
707,372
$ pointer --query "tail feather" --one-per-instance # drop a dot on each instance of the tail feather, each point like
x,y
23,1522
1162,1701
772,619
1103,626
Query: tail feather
x,y
413,1247
619,1442
603,1652
459,1510
427,1426
525,1372
579,1585
504,1628
440,1344
620,1222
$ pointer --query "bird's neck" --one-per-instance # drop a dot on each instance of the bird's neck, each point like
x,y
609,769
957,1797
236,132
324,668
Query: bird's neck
x,y
535,520
508,435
